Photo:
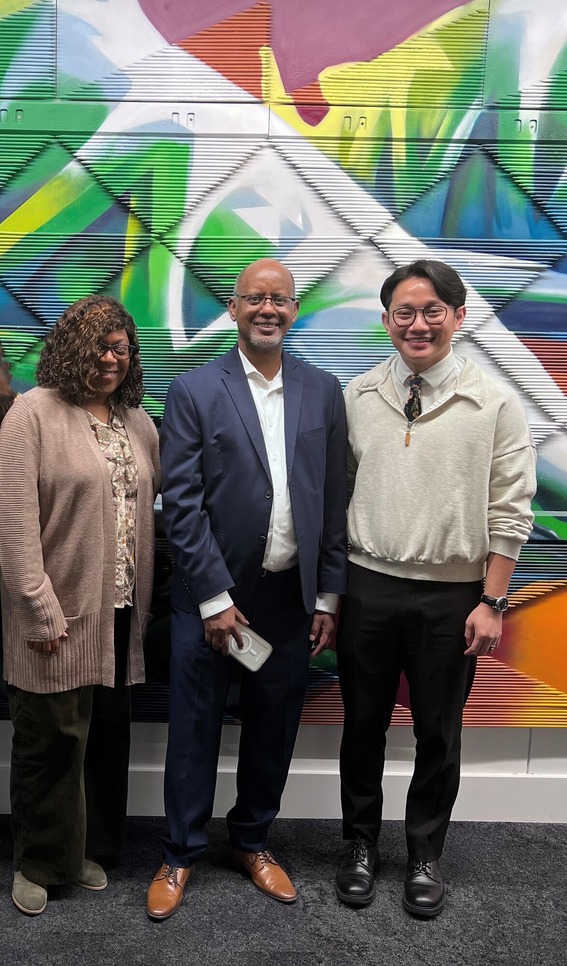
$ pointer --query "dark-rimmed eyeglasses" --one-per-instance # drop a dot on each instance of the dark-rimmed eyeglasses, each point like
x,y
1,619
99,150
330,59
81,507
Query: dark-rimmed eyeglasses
x,y
432,314
120,350
280,301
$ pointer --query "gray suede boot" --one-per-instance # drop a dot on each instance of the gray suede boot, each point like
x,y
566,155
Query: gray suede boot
x,y
92,876
28,896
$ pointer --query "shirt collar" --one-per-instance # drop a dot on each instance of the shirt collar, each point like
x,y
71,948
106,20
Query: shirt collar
x,y
434,376
252,373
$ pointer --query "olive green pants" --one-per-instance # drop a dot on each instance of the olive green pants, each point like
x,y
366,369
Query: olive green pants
x,y
69,774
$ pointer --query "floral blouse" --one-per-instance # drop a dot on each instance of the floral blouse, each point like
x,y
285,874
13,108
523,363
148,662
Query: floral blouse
x,y
115,446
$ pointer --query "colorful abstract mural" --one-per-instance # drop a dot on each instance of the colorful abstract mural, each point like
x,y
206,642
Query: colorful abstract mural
x,y
150,149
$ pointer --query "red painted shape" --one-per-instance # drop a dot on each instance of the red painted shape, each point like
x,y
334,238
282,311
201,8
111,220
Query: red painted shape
x,y
177,19
307,36
310,103
553,357
231,47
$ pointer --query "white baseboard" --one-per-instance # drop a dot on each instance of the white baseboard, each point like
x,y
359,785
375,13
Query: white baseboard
x,y
311,793
508,774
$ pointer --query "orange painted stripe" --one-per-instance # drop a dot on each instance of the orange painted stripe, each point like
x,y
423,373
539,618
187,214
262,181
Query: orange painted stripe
x,y
501,697
231,46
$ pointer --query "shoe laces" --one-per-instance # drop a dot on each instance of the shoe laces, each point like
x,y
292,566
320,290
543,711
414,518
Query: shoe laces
x,y
419,866
171,874
266,857
359,851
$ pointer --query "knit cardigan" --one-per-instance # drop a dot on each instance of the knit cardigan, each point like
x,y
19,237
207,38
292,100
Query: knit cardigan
x,y
58,543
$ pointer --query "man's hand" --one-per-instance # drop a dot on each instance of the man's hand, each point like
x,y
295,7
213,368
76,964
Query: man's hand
x,y
483,630
47,648
322,630
220,627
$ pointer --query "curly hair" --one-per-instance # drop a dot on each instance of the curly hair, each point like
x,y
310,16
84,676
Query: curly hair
x,y
72,349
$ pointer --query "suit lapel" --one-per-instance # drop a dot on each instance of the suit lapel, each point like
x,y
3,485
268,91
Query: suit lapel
x,y
236,383
293,400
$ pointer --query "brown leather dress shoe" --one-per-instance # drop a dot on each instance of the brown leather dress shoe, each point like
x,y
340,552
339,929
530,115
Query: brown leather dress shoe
x,y
166,891
267,874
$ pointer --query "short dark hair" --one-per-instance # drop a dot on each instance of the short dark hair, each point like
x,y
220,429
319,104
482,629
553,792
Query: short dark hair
x,y
71,350
447,283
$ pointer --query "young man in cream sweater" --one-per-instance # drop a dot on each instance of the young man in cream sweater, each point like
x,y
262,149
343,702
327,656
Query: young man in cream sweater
x,y
441,474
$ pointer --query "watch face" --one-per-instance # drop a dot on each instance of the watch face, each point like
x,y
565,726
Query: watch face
x,y
499,604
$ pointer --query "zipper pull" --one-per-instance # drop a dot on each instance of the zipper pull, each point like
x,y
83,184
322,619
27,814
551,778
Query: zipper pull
x,y
407,437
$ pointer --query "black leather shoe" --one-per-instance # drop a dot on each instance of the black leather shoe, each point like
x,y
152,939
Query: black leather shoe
x,y
354,882
424,892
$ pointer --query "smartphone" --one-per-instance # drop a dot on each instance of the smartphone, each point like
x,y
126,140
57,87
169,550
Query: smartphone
x,y
255,651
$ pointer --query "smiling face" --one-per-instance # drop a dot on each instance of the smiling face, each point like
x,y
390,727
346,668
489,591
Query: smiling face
x,y
110,370
421,345
261,328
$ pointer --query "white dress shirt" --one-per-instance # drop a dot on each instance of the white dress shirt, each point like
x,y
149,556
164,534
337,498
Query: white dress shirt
x,y
436,381
281,543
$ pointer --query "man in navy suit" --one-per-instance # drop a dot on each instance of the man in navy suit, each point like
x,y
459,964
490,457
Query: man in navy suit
x,y
254,503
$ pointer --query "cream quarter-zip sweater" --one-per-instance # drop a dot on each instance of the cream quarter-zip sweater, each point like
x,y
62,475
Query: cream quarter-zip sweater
x,y
58,543
432,499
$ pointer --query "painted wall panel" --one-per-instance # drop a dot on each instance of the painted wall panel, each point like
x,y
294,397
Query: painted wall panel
x,y
150,150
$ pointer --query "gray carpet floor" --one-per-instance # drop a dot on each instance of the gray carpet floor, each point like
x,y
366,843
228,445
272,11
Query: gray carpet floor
x,y
506,906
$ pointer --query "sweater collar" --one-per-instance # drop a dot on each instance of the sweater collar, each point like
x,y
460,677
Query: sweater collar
x,y
468,382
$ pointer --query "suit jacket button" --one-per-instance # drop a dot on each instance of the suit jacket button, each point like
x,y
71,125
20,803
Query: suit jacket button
x,y
262,540
268,494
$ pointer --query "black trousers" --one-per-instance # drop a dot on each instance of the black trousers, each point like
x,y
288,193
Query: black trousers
x,y
69,772
271,700
388,626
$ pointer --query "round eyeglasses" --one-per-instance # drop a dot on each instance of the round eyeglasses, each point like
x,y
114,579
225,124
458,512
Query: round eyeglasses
x,y
280,301
120,350
432,314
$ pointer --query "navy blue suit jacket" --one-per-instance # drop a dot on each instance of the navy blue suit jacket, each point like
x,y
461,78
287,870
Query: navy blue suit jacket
x,y
217,490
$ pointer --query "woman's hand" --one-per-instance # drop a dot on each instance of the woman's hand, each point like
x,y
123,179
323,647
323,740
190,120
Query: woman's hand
x,y
47,648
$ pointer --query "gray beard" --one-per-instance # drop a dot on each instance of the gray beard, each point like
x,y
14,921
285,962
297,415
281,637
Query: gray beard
x,y
266,342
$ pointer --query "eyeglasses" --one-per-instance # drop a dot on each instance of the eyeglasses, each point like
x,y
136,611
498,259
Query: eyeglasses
x,y
280,301
120,350
432,314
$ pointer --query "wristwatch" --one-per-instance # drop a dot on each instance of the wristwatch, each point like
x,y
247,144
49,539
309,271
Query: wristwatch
x,y
499,604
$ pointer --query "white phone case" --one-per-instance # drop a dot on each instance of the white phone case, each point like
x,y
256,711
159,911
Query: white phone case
x,y
255,651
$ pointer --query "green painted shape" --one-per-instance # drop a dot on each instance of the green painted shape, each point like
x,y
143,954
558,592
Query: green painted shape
x,y
150,180
16,29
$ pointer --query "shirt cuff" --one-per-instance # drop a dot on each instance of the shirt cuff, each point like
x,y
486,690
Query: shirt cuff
x,y
327,603
214,605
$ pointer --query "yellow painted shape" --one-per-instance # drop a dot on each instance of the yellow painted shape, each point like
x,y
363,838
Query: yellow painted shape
x,y
133,231
388,76
15,6
46,203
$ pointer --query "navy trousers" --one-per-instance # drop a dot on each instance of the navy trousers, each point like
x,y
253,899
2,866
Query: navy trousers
x,y
389,625
271,700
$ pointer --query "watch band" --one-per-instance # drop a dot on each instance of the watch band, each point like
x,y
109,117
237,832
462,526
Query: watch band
x,y
499,604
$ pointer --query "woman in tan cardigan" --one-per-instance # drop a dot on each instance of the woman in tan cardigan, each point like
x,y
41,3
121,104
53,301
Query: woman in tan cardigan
x,y
79,470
